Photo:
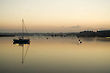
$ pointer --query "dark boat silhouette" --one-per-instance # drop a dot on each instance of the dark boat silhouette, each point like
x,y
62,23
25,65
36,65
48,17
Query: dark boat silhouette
x,y
21,39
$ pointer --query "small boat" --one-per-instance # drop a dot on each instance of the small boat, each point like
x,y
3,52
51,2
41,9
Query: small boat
x,y
21,39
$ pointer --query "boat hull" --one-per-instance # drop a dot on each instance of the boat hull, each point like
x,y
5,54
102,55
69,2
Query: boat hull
x,y
21,41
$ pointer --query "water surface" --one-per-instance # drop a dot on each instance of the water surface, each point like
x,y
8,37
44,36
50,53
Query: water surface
x,y
55,55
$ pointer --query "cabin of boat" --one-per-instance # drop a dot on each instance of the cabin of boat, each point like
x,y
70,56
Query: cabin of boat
x,y
21,41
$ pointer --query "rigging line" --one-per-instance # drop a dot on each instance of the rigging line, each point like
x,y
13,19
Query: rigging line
x,y
23,26
25,29
26,51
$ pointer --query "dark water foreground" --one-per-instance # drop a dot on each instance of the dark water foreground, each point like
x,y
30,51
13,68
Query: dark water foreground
x,y
55,55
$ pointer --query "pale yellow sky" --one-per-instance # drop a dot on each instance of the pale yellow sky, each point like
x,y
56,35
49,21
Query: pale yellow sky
x,y
54,15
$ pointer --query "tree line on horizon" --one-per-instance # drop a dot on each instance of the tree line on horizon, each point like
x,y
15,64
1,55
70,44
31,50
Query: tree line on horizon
x,y
102,33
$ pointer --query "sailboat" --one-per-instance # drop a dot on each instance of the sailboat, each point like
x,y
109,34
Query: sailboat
x,y
21,39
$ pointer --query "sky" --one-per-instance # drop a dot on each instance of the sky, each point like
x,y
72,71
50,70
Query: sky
x,y
54,15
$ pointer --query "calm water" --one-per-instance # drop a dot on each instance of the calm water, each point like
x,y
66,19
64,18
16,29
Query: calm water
x,y
55,55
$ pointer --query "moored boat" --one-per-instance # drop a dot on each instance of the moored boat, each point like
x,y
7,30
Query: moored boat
x,y
22,40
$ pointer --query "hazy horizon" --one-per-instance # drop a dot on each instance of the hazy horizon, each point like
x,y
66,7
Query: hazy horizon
x,y
54,15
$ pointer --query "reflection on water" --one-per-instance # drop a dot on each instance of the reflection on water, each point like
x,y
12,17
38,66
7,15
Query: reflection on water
x,y
25,48
55,55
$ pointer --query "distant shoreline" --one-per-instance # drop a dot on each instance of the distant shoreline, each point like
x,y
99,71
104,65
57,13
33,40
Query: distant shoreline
x,y
103,33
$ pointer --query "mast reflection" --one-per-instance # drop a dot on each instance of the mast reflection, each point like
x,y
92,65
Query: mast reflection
x,y
25,48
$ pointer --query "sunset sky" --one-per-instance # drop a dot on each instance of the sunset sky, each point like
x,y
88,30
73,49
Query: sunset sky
x,y
54,15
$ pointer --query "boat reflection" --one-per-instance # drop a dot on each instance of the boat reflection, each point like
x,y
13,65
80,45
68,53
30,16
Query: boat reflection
x,y
25,48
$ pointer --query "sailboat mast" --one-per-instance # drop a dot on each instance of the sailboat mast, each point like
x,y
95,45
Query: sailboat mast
x,y
22,28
